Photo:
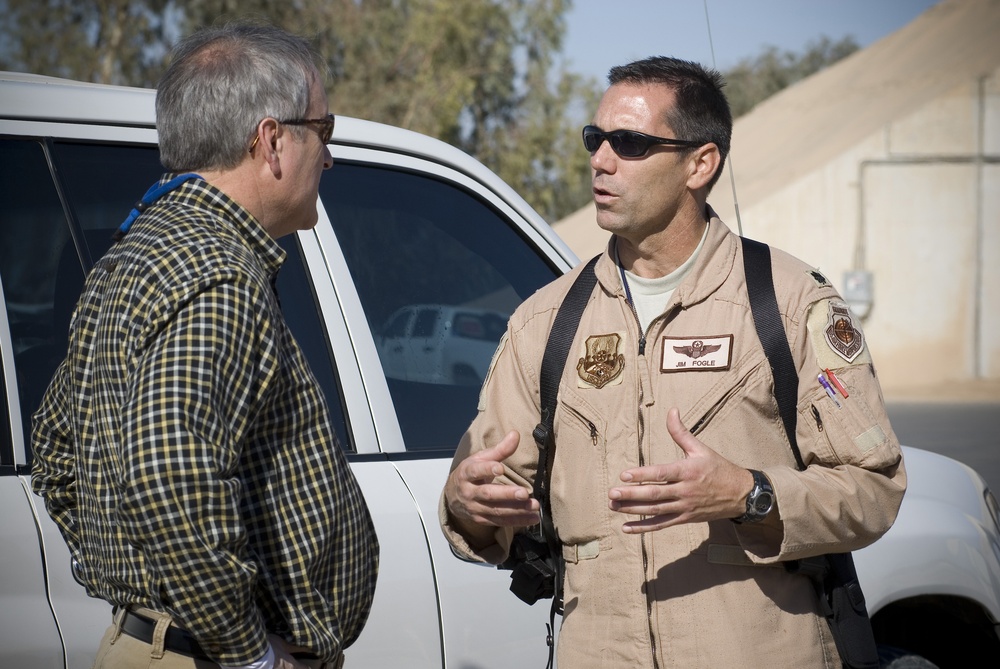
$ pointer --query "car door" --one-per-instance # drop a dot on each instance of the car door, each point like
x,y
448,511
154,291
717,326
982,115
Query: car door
x,y
57,218
407,231
46,245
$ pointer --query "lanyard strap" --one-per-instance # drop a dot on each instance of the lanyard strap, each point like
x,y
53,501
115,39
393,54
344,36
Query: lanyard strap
x,y
155,192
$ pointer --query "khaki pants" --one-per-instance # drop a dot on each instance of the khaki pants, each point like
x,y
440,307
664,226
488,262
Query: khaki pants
x,y
121,651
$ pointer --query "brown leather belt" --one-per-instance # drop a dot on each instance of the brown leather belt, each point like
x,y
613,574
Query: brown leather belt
x,y
176,640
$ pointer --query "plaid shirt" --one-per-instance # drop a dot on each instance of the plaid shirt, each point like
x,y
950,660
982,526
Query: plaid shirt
x,y
185,449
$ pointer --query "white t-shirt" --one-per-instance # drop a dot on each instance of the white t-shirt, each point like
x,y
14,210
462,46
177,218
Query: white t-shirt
x,y
650,296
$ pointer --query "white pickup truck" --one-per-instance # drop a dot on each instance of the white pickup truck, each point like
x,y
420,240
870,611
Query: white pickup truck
x,y
73,159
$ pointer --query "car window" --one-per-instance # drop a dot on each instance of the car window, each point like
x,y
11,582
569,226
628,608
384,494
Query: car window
x,y
99,191
45,249
479,326
40,268
301,310
414,240
424,325
6,446
397,325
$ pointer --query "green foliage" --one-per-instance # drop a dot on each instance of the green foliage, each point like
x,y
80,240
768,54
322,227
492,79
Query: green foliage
x,y
754,80
103,41
479,74
484,75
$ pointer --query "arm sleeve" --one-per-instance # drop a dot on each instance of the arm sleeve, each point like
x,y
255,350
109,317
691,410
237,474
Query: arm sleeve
x,y
850,491
199,379
508,401
53,474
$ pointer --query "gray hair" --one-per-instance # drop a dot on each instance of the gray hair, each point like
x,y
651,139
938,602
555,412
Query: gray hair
x,y
221,83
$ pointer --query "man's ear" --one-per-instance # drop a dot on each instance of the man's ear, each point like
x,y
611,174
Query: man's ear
x,y
266,143
704,162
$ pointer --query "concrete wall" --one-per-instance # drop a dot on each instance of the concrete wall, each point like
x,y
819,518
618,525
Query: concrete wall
x,y
917,205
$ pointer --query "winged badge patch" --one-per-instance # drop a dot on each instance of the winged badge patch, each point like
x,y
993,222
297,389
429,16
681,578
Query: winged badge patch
x,y
697,349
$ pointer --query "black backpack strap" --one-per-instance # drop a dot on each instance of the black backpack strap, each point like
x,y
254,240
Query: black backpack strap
x,y
561,337
557,347
767,322
835,575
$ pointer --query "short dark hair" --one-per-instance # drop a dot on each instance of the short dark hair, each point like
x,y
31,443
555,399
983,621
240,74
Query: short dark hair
x,y
701,112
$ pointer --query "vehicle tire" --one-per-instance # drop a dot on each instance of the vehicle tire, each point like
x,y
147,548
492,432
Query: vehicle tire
x,y
897,658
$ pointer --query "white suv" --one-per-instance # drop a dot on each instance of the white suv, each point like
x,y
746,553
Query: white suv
x,y
406,224
437,343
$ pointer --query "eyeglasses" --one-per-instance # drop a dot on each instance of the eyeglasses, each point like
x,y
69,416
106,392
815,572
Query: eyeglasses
x,y
324,125
628,143
325,128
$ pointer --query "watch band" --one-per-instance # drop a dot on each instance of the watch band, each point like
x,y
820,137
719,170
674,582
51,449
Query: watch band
x,y
760,501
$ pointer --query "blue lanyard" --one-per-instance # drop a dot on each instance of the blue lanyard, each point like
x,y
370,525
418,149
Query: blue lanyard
x,y
155,192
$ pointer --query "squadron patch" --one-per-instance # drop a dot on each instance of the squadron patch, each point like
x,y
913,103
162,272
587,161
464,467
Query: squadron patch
x,y
689,354
602,364
841,334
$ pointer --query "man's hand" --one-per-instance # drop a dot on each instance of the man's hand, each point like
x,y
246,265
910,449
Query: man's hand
x,y
283,654
473,497
703,486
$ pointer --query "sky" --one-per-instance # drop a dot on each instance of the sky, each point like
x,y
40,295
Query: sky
x,y
601,34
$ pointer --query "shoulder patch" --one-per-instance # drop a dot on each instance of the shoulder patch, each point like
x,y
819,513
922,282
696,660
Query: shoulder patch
x,y
836,335
601,364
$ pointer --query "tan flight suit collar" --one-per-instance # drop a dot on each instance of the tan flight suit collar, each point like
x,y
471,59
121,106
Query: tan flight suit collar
x,y
710,271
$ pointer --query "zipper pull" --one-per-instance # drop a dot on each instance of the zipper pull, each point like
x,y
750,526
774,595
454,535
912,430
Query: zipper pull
x,y
593,433
816,416
642,344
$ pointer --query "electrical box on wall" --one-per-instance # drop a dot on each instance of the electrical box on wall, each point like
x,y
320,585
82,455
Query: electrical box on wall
x,y
859,291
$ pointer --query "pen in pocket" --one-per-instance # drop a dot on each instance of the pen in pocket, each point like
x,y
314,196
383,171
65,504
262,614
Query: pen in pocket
x,y
836,383
829,389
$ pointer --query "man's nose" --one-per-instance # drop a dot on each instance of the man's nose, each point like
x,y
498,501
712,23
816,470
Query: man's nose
x,y
604,158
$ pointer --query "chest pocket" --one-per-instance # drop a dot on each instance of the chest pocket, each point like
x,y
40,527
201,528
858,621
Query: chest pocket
x,y
580,483
726,395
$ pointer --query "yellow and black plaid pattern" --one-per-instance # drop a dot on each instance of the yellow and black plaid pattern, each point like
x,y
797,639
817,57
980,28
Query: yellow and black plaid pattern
x,y
185,449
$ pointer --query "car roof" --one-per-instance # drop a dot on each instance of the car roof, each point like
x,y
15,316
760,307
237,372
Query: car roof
x,y
34,97
42,98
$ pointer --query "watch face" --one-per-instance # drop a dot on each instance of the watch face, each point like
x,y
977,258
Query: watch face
x,y
762,504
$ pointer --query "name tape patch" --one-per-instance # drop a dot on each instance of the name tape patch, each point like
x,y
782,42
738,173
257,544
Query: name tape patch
x,y
693,354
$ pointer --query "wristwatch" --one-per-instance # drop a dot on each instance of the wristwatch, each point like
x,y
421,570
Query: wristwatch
x,y
760,501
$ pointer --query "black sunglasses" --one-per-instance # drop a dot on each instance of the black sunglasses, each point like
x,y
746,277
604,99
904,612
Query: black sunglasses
x,y
324,125
628,143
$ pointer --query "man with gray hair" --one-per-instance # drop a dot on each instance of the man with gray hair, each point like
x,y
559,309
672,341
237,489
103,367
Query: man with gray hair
x,y
184,447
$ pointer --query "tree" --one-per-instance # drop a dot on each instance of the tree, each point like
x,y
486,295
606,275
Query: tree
x,y
482,75
753,80
103,41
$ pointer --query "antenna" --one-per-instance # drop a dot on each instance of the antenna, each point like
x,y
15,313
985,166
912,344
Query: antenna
x,y
732,175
